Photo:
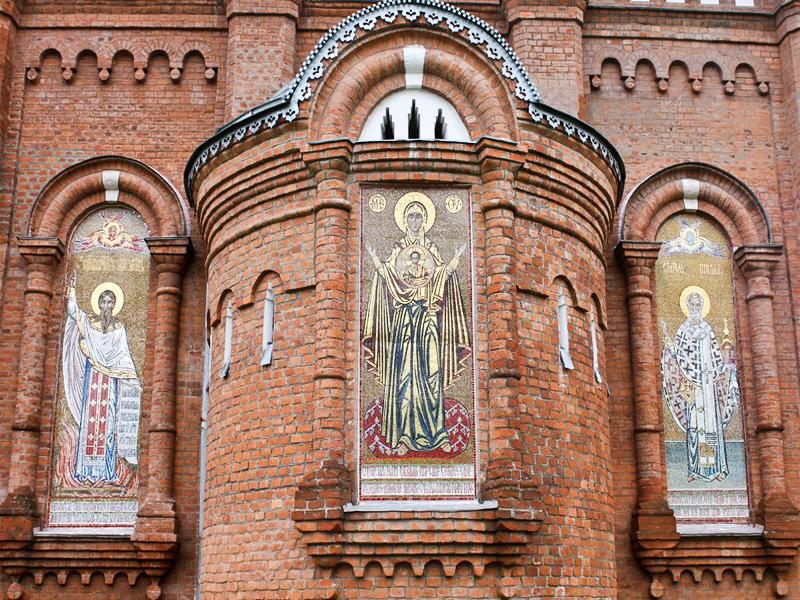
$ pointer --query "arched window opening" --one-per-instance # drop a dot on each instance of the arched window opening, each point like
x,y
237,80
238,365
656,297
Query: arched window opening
x,y
414,114
703,426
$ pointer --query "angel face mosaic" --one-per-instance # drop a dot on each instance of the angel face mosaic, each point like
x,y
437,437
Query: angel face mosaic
x,y
417,408
704,434
96,445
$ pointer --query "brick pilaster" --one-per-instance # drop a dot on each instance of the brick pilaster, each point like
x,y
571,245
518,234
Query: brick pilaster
x,y
507,480
653,519
757,263
18,510
328,484
156,518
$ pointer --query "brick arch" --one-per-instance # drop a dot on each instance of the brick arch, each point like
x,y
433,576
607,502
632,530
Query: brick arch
x,y
374,68
721,197
78,189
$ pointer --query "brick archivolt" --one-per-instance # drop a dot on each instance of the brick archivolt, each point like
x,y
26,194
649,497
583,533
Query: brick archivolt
x,y
374,68
720,195
78,189
108,51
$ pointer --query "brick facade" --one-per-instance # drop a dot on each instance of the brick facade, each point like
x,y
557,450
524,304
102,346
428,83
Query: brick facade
x,y
570,174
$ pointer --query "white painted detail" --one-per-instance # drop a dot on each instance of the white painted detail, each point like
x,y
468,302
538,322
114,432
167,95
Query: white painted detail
x,y
268,332
226,362
709,1
595,352
414,59
98,532
745,3
691,191
563,330
428,104
421,505
111,185
708,529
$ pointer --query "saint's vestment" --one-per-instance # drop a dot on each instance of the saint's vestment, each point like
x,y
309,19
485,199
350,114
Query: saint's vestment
x,y
99,379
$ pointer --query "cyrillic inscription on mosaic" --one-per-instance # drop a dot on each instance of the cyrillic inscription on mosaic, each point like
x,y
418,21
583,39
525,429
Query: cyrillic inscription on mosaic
x,y
96,446
706,464
417,408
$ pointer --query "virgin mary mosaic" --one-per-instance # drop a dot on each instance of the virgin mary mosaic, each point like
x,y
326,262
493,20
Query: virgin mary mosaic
x,y
417,401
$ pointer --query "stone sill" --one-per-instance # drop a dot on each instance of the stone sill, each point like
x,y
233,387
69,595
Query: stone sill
x,y
419,506
97,532
719,529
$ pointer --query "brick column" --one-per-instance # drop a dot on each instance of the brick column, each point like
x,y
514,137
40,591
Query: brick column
x,y
654,521
261,51
757,264
328,483
156,518
18,510
507,478
547,35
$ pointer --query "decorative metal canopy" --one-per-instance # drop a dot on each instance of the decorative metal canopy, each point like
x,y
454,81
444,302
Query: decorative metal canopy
x,y
284,106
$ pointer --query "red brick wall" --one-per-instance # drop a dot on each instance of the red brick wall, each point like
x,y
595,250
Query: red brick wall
x,y
578,440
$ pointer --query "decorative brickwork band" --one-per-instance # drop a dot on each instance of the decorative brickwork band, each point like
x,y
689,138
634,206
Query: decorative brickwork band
x,y
653,519
156,518
327,484
18,510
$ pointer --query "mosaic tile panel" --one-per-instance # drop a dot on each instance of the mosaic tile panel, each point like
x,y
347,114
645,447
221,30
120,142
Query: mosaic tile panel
x,y
704,438
95,468
416,373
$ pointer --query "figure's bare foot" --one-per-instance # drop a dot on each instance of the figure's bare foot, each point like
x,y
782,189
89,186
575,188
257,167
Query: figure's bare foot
x,y
401,449
446,447
690,479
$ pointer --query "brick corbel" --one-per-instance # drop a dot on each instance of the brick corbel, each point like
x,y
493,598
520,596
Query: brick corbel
x,y
327,484
18,513
155,521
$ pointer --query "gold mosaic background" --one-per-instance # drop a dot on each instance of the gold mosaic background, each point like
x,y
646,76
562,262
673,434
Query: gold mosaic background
x,y
449,231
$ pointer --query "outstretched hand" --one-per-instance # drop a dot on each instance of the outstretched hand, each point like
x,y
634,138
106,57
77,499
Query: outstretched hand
x,y
73,279
460,250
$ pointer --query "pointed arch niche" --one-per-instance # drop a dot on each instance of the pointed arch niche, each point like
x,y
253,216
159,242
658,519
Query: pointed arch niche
x,y
698,254
108,469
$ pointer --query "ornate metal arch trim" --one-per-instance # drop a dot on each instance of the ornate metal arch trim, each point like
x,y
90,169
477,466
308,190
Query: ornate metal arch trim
x,y
284,106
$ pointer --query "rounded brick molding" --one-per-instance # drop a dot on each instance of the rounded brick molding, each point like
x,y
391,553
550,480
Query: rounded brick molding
x,y
81,188
718,194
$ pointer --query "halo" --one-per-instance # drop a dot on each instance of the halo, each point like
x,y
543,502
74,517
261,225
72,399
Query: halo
x,y
410,198
108,286
704,294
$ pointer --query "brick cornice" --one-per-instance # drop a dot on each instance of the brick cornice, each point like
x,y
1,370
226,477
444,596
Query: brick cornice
x,y
634,253
44,251
758,260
